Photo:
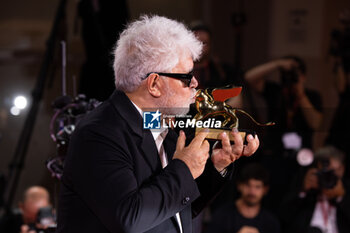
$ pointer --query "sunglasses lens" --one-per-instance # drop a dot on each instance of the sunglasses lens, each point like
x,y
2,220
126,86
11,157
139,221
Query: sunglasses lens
x,y
188,82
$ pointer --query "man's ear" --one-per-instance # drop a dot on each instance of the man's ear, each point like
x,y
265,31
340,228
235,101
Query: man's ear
x,y
154,85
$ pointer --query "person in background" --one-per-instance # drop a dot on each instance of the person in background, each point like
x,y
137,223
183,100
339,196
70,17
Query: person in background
x,y
22,219
340,55
294,107
209,70
246,214
297,112
322,200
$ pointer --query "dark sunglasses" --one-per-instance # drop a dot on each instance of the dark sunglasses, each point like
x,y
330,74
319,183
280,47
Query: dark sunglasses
x,y
185,78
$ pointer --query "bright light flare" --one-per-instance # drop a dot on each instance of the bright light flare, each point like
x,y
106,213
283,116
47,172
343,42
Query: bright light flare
x,y
20,102
15,111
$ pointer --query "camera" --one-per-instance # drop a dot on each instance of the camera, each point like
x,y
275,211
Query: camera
x,y
326,177
45,222
289,77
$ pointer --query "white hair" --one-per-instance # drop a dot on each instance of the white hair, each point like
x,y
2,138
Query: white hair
x,y
151,44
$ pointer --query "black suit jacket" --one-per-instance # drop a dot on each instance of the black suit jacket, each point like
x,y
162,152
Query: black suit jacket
x,y
113,180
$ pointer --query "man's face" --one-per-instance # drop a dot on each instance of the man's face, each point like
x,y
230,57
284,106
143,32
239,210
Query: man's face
x,y
35,198
178,96
31,206
252,192
337,166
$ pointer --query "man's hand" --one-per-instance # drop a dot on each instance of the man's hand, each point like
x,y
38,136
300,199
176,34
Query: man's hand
x,y
248,229
195,155
286,63
222,157
337,191
25,229
299,89
310,180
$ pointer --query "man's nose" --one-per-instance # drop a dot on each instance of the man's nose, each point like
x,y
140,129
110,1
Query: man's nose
x,y
194,82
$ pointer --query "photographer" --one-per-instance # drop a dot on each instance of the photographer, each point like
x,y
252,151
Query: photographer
x,y
290,104
297,112
34,213
209,70
340,52
340,125
322,202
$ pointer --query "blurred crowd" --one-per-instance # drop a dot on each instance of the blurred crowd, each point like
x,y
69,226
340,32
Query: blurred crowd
x,y
288,186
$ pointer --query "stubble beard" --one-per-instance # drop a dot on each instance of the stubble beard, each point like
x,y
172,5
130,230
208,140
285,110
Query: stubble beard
x,y
172,105
250,203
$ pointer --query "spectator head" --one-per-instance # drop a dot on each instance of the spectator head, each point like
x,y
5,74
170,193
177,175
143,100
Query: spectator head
x,y
300,63
203,34
34,198
333,158
253,184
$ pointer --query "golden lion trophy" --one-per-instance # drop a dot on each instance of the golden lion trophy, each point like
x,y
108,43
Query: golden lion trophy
x,y
210,104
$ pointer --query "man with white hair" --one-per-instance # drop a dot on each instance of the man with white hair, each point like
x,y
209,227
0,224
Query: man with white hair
x,y
121,177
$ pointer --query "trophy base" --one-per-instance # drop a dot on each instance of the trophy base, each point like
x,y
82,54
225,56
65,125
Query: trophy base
x,y
214,134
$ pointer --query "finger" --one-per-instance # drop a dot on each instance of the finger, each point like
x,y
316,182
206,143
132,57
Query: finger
x,y
181,140
205,147
252,146
238,146
234,157
225,142
24,228
199,138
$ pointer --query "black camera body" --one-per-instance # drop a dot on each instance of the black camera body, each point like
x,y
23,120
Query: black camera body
x,y
45,218
289,77
327,179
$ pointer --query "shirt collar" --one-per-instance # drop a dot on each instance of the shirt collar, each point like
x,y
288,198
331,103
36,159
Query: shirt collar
x,y
156,133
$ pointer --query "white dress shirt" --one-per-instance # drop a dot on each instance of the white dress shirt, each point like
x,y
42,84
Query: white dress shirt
x,y
325,216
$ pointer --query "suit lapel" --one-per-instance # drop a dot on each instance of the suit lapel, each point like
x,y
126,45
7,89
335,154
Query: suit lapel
x,y
150,151
170,144
134,119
